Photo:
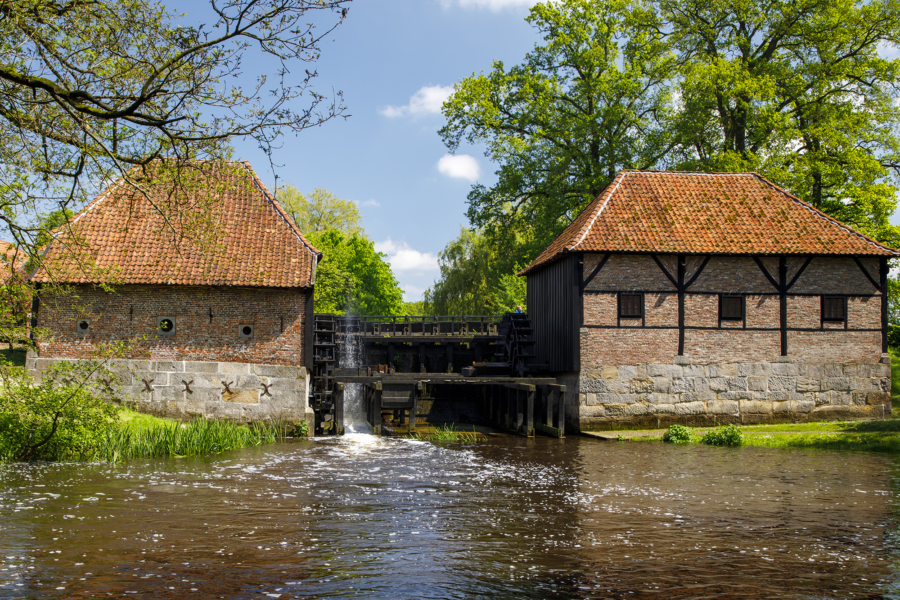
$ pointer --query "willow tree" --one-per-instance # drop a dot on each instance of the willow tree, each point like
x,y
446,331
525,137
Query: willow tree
x,y
590,100
91,89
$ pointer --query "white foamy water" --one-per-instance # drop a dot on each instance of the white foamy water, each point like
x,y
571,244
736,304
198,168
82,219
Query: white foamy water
x,y
354,408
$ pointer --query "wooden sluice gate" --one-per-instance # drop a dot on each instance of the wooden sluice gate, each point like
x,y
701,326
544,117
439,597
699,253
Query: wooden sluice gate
x,y
397,357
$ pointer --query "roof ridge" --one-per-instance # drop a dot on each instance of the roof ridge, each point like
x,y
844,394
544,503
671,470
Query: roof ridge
x,y
277,206
609,194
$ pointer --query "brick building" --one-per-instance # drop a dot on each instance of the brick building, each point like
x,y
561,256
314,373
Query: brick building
x,y
214,298
706,298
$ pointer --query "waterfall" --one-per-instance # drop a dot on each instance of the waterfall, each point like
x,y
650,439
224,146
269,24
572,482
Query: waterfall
x,y
354,409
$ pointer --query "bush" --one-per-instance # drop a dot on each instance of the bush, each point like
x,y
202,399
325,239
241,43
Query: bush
x,y
678,434
729,435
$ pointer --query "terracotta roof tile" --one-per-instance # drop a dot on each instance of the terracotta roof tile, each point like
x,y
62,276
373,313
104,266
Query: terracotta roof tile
x,y
121,237
704,213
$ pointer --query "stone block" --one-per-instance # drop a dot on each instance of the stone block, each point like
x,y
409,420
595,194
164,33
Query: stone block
x,y
242,396
627,372
754,370
683,359
664,409
701,384
593,411
718,384
808,384
699,397
875,398
860,384
841,398
690,408
590,399
884,370
167,394
785,370
592,385
782,384
155,379
662,398
858,398
205,395
246,381
823,399
756,407
680,386
757,384
230,368
695,371
616,410
642,386
618,386
735,395
274,371
608,372
200,367
803,406
140,365
222,410
674,371
662,385
840,384
886,359
639,409
626,398
813,371
850,370
640,371
723,407
727,370
833,370
736,384
169,366
656,370
608,398
782,407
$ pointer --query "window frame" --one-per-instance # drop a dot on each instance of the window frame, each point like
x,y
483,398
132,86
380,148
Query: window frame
x,y
246,336
643,311
742,318
823,319
159,330
79,329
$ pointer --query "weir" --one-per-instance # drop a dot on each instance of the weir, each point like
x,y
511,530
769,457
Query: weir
x,y
388,363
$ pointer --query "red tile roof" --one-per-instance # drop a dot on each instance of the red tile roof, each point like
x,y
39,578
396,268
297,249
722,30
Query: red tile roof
x,y
223,228
704,213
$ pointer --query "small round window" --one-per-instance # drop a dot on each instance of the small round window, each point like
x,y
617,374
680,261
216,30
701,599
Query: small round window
x,y
83,325
245,331
165,325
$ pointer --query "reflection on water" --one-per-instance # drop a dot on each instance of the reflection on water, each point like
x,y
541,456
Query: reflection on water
x,y
511,518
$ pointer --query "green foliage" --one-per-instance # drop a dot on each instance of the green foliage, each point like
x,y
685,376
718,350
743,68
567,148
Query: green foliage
x,y
148,438
476,279
301,429
678,434
730,435
419,307
800,92
353,278
594,98
61,418
319,211
92,88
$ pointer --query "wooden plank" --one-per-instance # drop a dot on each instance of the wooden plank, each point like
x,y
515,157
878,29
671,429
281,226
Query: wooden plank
x,y
551,431
339,409
562,414
529,412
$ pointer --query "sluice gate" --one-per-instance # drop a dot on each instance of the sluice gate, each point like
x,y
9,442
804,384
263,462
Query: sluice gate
x,y
398,360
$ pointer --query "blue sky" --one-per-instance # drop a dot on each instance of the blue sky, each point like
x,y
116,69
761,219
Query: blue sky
x,y
395,61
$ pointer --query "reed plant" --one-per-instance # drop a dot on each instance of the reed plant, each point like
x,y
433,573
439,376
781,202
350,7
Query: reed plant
x,y
446,433
149,438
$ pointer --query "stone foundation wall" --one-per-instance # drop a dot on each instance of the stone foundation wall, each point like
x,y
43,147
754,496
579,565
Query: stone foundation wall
x,y
248,400
785,390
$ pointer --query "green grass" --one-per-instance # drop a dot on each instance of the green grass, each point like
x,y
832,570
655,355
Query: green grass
x,y
144,436
445,433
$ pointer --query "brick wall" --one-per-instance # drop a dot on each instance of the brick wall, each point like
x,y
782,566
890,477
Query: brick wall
x,y
131,312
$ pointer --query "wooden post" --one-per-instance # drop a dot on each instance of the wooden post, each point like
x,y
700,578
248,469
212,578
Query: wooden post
x,y
450,357
339,409
415,407
376,408
562,411
519,416
548,397
422,353
529,412
782,300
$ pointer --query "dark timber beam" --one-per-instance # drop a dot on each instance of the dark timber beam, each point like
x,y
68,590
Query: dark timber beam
x,y
782,299
680,285
883,268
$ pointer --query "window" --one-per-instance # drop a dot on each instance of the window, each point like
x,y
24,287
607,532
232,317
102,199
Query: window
x,y
834,308
731,308
631,306
245,331
83,326
165,325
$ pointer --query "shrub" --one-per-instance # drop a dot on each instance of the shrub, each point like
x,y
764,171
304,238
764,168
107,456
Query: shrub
x,y
730,435
678,434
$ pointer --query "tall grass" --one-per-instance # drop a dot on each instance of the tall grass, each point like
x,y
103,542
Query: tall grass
x,y
446,433
149,438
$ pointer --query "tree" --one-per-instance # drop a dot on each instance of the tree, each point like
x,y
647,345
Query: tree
x,y
319,211
796,90
91,88
591,100
475,279
352,278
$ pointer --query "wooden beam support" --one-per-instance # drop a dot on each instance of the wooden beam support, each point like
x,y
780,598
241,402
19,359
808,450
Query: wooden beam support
x,y
883,268
339,409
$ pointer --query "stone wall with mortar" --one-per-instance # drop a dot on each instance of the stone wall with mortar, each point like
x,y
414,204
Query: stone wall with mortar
x,y
187,389
660,394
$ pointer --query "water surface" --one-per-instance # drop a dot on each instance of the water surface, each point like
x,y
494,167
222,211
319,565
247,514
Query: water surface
x,y
510,518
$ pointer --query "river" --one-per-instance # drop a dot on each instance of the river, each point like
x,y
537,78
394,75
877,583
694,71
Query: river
x,y
374,517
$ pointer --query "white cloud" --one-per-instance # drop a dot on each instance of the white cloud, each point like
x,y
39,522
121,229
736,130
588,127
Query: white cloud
x,y
459,166
371,202
403,258
494,5
412,293
427,101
